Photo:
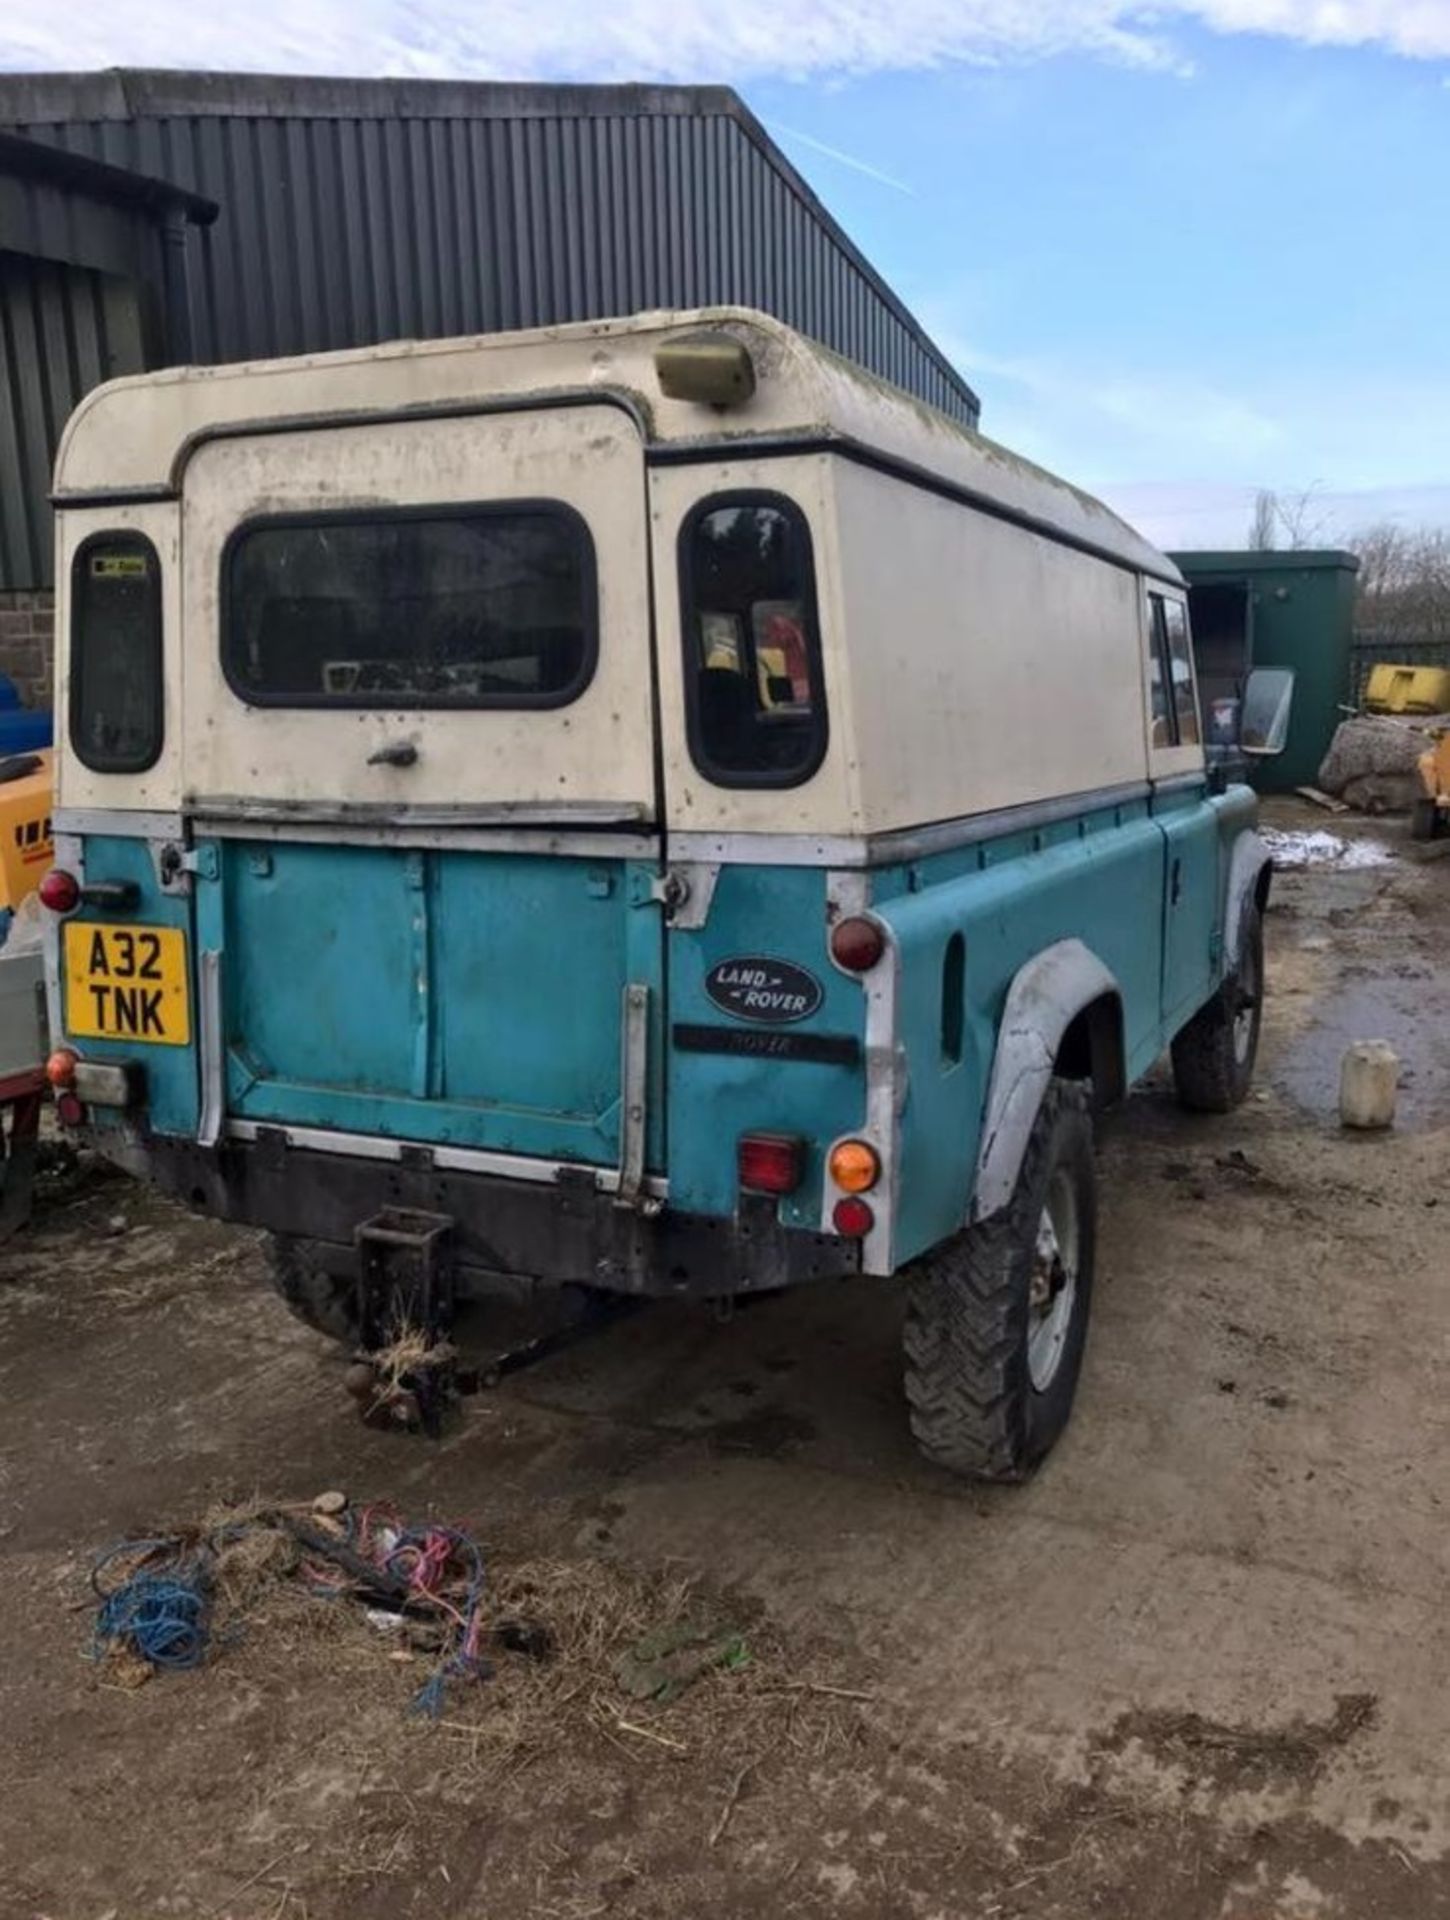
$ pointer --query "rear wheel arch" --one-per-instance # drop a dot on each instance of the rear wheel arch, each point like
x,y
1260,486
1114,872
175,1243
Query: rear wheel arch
x,y
1091,1049
1062,1017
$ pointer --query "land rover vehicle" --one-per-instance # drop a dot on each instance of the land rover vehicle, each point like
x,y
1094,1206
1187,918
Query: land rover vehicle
x,y
641,804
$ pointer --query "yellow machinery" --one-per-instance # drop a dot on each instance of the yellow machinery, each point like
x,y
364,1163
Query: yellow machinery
x,y
1432,807
1391,689
26,787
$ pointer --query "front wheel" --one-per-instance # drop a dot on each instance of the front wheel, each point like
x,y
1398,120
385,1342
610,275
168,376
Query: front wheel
x,y
1214,1055
996,1319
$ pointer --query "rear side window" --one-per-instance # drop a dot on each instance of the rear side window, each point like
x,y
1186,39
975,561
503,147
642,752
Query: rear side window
x,y
470,607
115,654
1180,666
1173,694
755,703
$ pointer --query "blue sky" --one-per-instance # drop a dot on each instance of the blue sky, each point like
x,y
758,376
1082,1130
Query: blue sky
x,y
1183,250
1174,287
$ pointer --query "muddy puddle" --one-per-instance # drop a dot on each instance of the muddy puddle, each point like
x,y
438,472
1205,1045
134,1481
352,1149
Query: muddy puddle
x,y
1374,922
1412,1013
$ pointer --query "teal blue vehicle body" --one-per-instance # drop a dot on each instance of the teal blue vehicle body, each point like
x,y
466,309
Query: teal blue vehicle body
x,y
532,924
433,1002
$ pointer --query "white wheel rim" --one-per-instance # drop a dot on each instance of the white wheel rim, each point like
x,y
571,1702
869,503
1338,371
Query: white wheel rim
x,y
1052,1290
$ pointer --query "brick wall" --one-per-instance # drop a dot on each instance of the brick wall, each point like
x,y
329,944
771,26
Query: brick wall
x,y
27,643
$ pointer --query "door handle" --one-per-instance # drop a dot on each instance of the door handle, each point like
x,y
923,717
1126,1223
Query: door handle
x,y
1177,883
398,753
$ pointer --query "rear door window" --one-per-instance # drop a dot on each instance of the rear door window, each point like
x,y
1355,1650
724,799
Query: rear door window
x,y
756,707
491,606
115,655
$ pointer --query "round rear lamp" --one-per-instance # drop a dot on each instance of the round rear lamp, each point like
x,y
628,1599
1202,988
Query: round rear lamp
x,y
853,1219
69,1110
60,1068
60,891
855,1166
857,944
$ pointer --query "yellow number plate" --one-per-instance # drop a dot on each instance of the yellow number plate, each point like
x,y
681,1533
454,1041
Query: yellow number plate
x,y
127,983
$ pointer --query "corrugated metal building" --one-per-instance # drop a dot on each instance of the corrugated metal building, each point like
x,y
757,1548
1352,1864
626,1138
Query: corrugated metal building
x,y
94,281
361,210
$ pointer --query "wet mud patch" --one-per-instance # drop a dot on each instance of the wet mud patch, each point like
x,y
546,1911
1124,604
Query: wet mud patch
x,y
1401,1006
1242,1758
768,1433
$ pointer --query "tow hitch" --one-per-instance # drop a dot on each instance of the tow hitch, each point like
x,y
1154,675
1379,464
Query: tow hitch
x,y
403,1372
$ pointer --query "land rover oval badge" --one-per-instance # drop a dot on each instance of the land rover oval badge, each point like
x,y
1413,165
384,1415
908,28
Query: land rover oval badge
x,y
752,987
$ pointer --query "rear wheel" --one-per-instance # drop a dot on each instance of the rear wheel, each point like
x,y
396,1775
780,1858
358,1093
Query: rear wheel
x,y
1214,1055
323,1296
996,1319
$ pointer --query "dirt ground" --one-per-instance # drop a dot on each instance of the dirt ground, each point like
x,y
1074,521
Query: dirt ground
x,y
1195,1669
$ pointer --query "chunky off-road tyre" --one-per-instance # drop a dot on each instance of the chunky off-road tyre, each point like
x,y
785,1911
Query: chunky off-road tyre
x,y
1214,1055
323,1298
996,1319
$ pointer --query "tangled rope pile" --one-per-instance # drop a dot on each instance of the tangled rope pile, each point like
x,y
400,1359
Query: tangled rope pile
x,y
163,1617
160,1609
441,1570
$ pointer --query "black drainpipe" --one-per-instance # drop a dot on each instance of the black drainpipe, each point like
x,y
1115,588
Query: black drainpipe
x,y
176,273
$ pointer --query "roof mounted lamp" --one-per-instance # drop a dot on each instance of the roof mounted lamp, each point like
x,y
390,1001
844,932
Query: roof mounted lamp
x,y
712,369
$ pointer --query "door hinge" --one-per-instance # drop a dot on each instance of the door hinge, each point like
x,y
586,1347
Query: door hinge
x,y
633,1093
685,894
177,866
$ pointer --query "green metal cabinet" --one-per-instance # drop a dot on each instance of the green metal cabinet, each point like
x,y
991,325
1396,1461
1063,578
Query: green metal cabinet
x,y
1275,609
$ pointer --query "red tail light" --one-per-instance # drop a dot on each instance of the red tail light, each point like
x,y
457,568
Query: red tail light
x,y
771,1162
60,1068
853,1218
69,1110
857,944
60,891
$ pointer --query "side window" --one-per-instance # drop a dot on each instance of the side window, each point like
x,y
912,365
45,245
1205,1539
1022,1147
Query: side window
x,y
755,703
1161,716
115,654
1180,665
1172,694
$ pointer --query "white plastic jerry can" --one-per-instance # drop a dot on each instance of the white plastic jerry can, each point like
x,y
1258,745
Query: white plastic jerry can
x,y
1368,1079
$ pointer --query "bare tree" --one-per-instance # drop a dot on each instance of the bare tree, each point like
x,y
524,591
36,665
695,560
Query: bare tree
x,y
1292,520
1264,527
1302,517
1404,583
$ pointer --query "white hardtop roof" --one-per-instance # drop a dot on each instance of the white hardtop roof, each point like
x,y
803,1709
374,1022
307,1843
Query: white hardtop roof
x,y
132,436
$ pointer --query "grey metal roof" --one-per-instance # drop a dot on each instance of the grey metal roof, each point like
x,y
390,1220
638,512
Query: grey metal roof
x,y
84,285
39,162
359,211
176,124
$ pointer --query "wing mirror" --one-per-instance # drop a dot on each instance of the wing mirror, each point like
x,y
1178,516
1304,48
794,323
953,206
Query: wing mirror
x,y
1264,716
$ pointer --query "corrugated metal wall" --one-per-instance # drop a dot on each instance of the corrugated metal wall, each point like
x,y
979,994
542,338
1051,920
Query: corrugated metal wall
x,y
62,330
339,231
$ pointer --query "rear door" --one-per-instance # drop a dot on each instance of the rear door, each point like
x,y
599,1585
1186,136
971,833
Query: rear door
x,y
420,761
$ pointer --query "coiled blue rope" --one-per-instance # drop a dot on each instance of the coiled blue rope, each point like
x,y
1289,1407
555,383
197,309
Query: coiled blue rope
x,y
161,1610
161,1613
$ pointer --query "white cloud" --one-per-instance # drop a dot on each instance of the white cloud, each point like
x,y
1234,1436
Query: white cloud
x,y
681,39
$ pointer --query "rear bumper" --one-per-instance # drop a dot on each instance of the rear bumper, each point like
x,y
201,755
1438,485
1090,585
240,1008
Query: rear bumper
x,y
558,1232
